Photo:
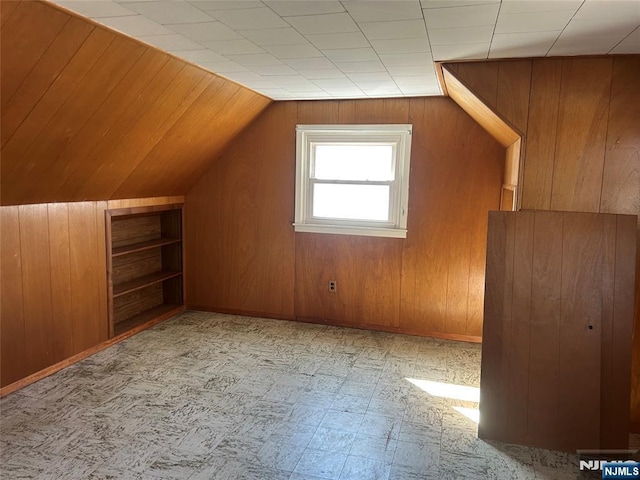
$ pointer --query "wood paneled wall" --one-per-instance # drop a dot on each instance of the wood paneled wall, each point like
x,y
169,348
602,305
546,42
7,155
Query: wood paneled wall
x,y
53,282
245,257
580,118
89,114
558,279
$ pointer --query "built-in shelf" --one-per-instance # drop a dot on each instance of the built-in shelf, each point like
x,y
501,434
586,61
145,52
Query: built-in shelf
x,y
142,246
142,282
144,265
146,316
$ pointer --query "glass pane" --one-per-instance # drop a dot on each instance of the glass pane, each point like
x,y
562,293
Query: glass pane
x,y
354,162
359,202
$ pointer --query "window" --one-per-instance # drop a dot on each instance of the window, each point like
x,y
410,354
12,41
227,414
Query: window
x,y
352,179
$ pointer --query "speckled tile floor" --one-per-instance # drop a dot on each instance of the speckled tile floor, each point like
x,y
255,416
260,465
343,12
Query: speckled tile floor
x,y
210,396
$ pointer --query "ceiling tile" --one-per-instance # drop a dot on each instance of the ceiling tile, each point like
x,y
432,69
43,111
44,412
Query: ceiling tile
x,y
309,7
376,88
313,74
171,43
370,76
401,45
599,27
530,44
310,89
354,92
273,70
421,90
223,67
455,17
294,51
205,32
457,36
598,9
351,55
533,22
425,71
458,3
136,26
595,45
232,47
291,80
407,82
255,59
165,12
202,56
249,19
354,67
460,52
318,24
329,41
274,36
630,44
93,9
529,6
210,5
392,30
326,83
314,63
399,59
383,10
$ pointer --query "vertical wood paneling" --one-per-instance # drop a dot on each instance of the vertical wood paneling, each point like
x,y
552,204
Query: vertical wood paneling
x,y
621,178
241,241
544,336
519,335
581,293
85,269
556,346
13,360
6,9
482,78
582,129
541,134
62,307
514,85
36,286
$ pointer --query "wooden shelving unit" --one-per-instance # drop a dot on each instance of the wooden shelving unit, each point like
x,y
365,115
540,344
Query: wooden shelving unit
x,y
144,265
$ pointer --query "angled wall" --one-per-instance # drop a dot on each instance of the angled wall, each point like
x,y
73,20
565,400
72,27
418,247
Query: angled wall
x,y
90,114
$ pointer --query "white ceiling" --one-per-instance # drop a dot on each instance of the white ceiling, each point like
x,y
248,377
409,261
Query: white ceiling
x,y
314,49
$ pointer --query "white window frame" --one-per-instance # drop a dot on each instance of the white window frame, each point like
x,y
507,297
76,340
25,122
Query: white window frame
x,y
307,136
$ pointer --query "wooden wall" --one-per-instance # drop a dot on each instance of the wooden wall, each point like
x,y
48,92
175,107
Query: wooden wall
x,y
558,279
95,115
53,282
580,119
245,257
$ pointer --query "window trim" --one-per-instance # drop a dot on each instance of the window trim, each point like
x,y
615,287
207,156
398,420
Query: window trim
x,y
399,135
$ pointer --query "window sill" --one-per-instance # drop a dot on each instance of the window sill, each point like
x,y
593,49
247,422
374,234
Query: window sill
x,y
351,230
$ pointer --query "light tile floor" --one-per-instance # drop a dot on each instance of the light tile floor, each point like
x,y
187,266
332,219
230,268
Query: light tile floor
x,y
210,396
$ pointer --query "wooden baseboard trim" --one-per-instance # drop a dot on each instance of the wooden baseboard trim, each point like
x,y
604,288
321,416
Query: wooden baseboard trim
x,y
34,377
360,326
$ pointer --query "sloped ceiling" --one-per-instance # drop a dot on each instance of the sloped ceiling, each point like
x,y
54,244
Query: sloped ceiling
x,y
315,49
89,114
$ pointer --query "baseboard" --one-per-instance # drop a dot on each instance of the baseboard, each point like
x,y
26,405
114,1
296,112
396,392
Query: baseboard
x,y
245,313
34,377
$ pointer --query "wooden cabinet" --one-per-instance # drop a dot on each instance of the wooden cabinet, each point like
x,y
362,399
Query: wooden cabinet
x,y
144,265
558,327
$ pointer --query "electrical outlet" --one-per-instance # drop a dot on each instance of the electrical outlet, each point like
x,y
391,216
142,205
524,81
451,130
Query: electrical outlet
x,y
332,285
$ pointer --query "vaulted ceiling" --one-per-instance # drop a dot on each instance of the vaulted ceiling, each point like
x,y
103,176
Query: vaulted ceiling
x,y
90,114
311,49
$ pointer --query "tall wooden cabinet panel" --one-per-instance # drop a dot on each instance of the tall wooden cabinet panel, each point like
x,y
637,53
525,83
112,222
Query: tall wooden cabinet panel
x,y
558,327
144,265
